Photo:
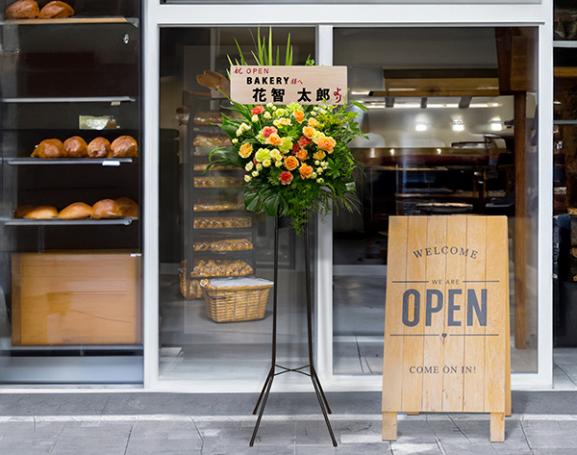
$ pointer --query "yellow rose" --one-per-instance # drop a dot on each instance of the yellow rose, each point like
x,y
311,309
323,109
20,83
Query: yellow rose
x,y
313,122
319,155
308,132
245,150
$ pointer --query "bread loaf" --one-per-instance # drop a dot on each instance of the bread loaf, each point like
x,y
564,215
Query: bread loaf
x,y
49,148
220,268
42,212
76,211
224,245
217,182
75,147
98,148
106,208
128,207
22,211
124,147
215,140
219,222
22,9
56,10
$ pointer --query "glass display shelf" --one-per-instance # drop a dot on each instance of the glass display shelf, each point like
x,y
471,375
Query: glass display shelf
x,y
74,348
565,43
58,222
565,122
29,161
77,20
79,99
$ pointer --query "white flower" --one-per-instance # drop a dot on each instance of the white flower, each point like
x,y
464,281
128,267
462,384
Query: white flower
x,y
266,163
320,181
317,163
278,163
239,132
249,166
320,170
254,173
314,175
258,167
254,118
325,164
267,115
247,178
270,105
235,141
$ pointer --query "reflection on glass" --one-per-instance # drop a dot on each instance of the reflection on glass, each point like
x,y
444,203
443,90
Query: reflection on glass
x,y
208,239
445,135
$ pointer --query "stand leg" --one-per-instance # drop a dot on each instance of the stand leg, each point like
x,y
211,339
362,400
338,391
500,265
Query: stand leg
x,y
497,427
389,430
269,378
259,418
314,378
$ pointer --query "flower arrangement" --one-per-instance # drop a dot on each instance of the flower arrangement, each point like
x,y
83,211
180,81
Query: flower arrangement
x,y
295,157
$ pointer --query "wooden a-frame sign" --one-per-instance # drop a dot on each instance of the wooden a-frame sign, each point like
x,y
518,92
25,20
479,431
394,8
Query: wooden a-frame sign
x,y
447,344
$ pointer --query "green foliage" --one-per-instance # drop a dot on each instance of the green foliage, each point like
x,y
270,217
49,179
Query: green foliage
x,y
331,184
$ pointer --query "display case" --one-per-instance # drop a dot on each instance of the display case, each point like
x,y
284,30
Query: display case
x,y
218,234
71,135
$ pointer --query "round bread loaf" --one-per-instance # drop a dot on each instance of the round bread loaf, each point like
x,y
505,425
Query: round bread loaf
x,y
76,211
56,10
124,147
128,207
22,9
75,147
49,148
22,211
98,148
106,208
41,212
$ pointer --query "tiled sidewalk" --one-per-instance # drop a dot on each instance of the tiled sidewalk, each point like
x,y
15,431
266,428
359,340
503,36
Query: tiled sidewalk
x,y
543,423
306,435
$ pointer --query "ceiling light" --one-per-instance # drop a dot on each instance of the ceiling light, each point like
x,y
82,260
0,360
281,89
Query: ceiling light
x,y
439,151
496,124
458,126
392,152
420,127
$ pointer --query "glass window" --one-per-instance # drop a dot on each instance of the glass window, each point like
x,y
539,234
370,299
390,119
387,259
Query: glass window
x,y
451,128
206,235
70,231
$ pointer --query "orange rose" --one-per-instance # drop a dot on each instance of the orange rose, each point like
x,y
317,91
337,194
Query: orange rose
x,y
291,163
327,144
274,139
302,154
320,155
305,171
308,131
299,116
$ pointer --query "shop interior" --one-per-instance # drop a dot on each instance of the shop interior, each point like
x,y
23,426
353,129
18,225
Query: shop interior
x,y
450,129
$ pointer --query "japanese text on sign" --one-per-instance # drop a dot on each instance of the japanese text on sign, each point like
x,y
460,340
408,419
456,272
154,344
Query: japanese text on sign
x,y
288,84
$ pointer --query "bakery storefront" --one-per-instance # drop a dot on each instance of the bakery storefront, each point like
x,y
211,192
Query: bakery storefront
x,y
114,231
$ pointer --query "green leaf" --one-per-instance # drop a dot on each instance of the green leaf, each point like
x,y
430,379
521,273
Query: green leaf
x,y
288,51
360,105
270,45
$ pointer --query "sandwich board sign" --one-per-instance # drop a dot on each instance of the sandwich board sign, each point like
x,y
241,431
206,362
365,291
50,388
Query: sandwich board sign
x,y
446,346
251,84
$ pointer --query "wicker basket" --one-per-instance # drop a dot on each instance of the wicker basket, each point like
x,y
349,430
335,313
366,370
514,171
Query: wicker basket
x,y
190,289
236,299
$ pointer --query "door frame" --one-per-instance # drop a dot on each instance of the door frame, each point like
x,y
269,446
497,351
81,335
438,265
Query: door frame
x,y
325,18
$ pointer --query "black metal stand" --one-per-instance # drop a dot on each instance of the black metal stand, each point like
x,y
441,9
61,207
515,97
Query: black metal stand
x,y
262,399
